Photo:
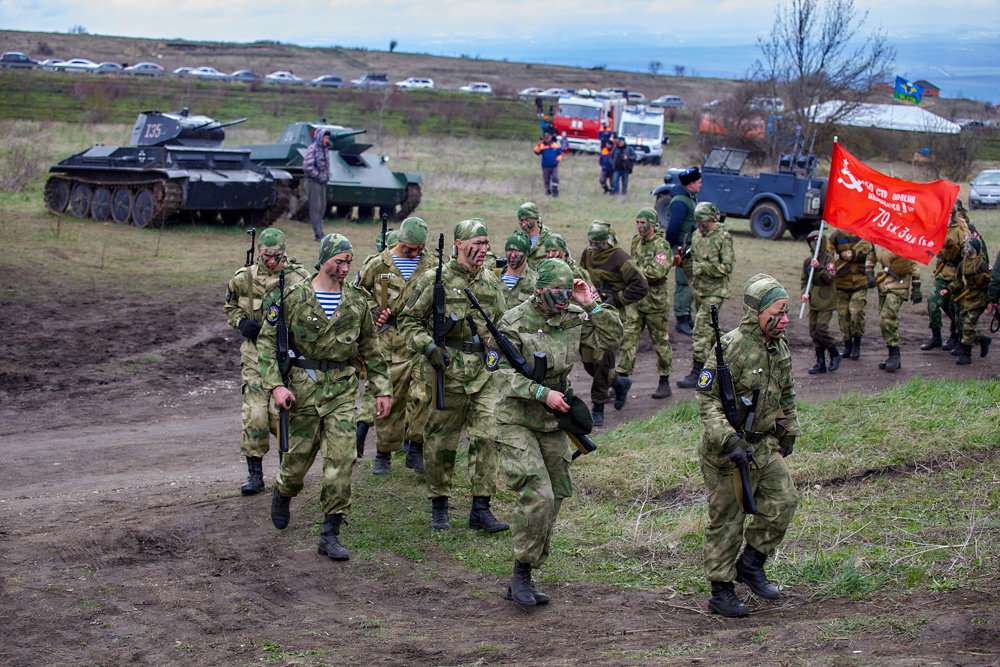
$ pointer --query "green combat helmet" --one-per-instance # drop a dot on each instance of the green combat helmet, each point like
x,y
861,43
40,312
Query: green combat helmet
x,y
556,242
271,239
413,231
706,211
553,272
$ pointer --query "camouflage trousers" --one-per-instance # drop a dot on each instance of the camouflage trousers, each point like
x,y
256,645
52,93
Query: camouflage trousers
x,y
408,416
366,408
819,328
683,294
260,418
476,413
602,369
703,337
968,319
937,304
776,498
332,436
635,322
536,468
889,303
851,312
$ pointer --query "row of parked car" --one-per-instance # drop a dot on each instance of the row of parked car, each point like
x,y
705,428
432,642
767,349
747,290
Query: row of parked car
x,y
616,92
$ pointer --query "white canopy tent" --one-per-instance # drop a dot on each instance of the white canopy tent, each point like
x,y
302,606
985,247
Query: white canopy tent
x,y
884,116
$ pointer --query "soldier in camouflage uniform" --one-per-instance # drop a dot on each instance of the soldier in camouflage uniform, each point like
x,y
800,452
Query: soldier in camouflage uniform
x,y
469,392
652,255
245,296
558,320
556,248
329,323
390,277
619,282
518,278
969,287
537,233
898,277
945,271
712,261
850,252
758,356
822,300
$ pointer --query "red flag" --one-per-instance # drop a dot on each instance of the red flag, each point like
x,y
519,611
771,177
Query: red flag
x,y
910,219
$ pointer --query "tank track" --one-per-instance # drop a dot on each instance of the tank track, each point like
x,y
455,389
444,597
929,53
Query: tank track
x,y
167,195
411,202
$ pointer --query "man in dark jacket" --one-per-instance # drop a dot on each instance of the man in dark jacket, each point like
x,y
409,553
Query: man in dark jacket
x,y
680,227
316,165
622,159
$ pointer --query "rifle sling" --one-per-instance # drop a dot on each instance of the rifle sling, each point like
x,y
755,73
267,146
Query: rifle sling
x,y
321,364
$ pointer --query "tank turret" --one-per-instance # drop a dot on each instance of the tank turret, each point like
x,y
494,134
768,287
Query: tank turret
x,y
178,128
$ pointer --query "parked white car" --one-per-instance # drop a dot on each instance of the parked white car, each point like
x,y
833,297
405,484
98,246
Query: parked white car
x,y
109,68
637,98
555,92
281,76
415,82
478,88
528,93
209,73
145,69
77,65
668,101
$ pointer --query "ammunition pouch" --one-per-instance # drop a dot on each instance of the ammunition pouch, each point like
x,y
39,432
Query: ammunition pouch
x,y
321,364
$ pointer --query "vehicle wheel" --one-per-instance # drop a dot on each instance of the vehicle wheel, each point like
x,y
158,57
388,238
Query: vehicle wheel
x,y
100,205
121,206
56,195
79,200
767,222
972,205
656,160
143,208
366,212
662,207
344,211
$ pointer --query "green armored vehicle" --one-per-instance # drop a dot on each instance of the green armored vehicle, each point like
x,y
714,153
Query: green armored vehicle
x,y
358,179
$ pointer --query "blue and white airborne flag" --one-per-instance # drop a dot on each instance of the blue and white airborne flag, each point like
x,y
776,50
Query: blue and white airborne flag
x,y
905,90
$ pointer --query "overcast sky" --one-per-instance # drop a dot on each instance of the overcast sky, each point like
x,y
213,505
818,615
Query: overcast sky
x,y
960,34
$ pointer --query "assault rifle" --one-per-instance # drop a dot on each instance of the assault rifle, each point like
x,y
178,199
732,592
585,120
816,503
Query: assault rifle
x,y
284,364
740,417
578,435
253,243
441,325
381,244
887,272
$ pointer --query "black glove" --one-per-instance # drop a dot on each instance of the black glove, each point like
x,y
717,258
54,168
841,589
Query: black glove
x,y
249,328
739,448
871,279
915,295
786,445
438,356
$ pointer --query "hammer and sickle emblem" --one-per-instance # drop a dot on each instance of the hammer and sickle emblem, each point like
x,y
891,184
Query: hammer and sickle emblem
x,y
855,184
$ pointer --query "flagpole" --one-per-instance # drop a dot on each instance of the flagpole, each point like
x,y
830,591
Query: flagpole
x,y
812,269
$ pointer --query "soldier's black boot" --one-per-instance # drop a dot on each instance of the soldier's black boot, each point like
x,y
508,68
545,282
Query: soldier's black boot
x,y
329,542
690,380
361,434
684,325
383,462
834,358
856,347
952,342
481,518
893,363
597,413
439,513
725,602
848,347
519,588
663,389
280,509
415,456
621,385
965,354
750,571
984,345
934,341
555,191
820,366
255,476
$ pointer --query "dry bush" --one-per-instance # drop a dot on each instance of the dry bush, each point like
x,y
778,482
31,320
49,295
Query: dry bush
x,y
18,170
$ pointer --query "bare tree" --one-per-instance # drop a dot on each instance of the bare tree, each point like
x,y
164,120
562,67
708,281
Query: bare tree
x,y
815,53
655,66
392,45
679,70
78,30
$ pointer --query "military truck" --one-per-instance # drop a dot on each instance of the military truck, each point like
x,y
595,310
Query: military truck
x,y
790,199
174,169
359,181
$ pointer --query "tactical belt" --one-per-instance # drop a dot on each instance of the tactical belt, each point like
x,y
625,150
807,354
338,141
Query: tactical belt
x,y
321,364
657,282
464,346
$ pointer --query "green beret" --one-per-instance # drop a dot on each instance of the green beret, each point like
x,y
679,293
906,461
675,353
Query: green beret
x,y
598,231
470,229
555,242
553,273
333,244
518,241
271,238
647,214
528,210
413,231
706,211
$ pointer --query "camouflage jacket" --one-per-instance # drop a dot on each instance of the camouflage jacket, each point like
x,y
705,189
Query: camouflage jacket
x,y
822,294
907,270
971,281
614,274
523,289
850,272
537,253
388,288
349,333
993,291
467,373
712,261
654,259
561,337
754,360
950,255
245,296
